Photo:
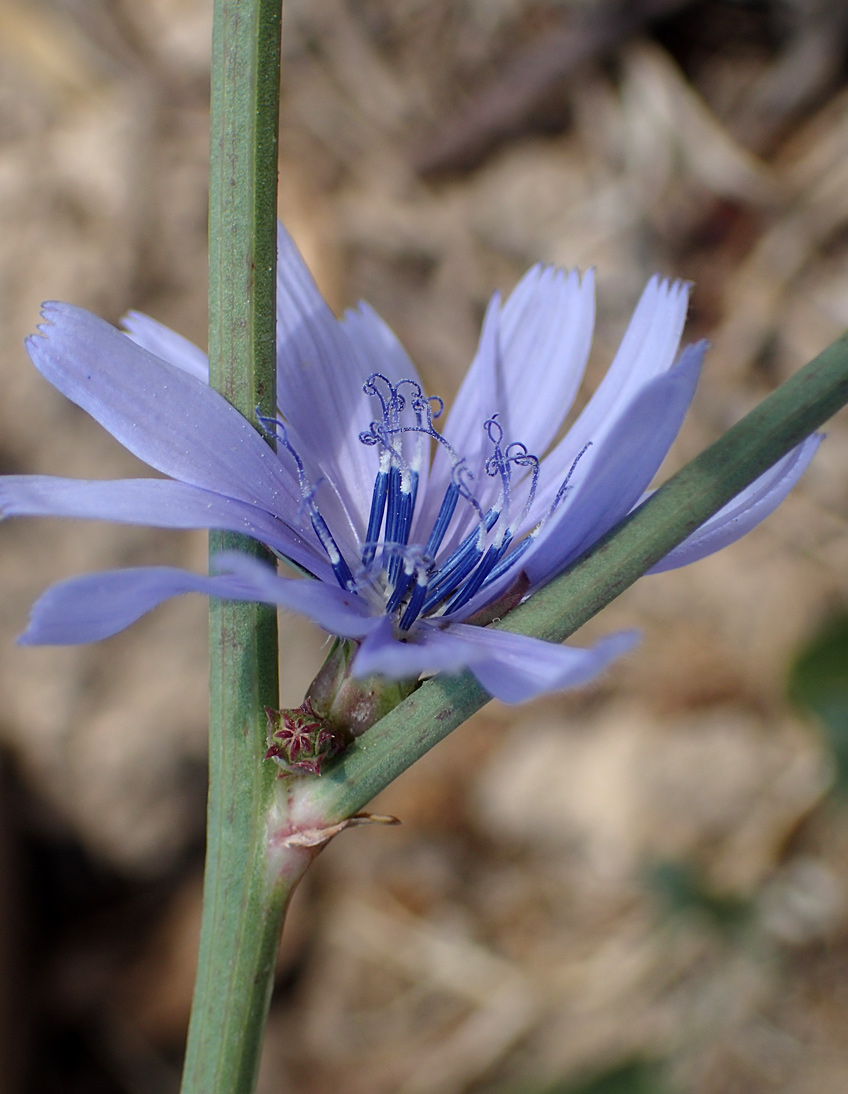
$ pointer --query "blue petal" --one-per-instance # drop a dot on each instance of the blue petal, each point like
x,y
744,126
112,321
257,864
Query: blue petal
x,y
167,344
96,606
376,345
336,610
745,512
166,417
464,431
515,667
161,503
648,350
319,390
545,337
511,667
427,649
611,477
527,369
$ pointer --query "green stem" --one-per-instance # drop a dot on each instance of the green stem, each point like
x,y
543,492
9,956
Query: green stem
x,y
690,497
244,901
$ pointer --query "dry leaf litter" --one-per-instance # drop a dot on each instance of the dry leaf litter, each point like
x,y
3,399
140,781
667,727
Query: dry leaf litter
x,y
508,935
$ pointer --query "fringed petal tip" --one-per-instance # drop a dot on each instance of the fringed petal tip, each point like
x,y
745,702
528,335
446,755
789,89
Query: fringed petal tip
x,y
42,330
52,311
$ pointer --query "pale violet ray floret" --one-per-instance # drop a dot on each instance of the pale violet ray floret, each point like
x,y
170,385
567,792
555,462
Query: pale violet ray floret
x,y
609,477
615,472
745,511
159,503
648,350
529,364
320,379
545,334
411,522
532,355
168,418
165,343
518,668
515,667
96,606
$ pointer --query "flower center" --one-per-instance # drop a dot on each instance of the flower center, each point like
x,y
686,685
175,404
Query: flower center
x,y
415,579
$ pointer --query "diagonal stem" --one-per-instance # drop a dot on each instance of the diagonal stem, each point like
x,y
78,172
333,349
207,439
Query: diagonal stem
x,y
695,493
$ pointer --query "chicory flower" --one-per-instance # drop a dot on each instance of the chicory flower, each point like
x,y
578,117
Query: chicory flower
x,y
409,533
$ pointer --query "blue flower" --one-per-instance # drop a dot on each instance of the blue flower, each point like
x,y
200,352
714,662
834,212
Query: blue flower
x,y
413,531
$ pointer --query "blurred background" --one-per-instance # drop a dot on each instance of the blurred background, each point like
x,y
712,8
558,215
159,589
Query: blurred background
x,y
636,888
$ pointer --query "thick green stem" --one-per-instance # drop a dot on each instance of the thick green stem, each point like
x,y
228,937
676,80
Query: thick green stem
x,y
244,900
689,498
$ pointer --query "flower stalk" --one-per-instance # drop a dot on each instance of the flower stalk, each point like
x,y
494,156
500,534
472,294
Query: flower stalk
x,y
243,902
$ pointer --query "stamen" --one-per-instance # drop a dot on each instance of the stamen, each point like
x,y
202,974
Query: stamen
x,y
400,590
413,563
473,542
459,565
460,589
340,567
492,556
402,488
396,486
497,562
564,487
424,407
443,519
496,464
370,388
325,536
424,415
411,585
378,433
375,517
508,561
500,463
491,568
524,459
416,603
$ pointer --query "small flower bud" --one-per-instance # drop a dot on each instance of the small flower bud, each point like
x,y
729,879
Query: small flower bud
x,y
301,741
336,710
